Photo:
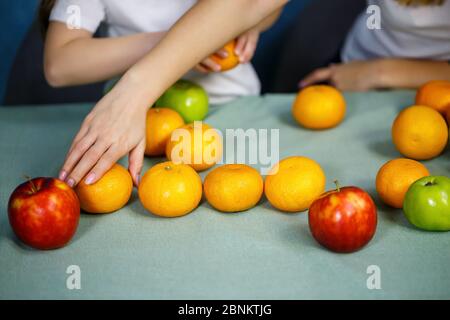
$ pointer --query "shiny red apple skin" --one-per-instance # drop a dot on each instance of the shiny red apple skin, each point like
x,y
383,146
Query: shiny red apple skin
x,y
343,220
44,213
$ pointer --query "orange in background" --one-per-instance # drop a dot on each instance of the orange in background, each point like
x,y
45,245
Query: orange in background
x,y
111,193
435,94
395,177
233,187
161,122
231,61
319,107
420,133
170,190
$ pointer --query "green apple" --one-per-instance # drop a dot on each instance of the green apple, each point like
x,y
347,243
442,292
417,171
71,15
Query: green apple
x,y
427,203
187,98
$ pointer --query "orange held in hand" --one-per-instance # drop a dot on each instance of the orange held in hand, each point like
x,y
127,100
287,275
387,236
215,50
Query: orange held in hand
x,y
435,94
420,133
160,124
294,183
109,194
170,190
319,107
395,177
195,144
231,61
233,187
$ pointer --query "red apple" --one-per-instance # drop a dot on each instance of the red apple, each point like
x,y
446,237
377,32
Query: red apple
x,y
343,220
44,213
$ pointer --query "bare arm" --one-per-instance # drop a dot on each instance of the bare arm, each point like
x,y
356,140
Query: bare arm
x,y
269,21
402,73
245,46
116,126
74,57
211,24
380,73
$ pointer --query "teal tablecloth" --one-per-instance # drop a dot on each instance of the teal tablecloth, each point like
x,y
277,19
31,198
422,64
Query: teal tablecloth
x,y
259,254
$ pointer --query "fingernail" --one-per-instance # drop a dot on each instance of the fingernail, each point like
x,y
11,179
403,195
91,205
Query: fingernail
x,y
223,54
90,178
301,84
71,182
62,175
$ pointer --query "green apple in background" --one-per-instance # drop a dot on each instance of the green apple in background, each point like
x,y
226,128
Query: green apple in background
x,y
427,203
187,98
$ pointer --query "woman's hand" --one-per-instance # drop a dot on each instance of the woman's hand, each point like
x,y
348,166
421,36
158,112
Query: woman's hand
x,y
245,48
114,128
352,76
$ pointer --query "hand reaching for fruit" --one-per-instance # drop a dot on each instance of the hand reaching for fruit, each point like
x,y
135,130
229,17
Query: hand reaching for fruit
x,y
238,51
353,76
115,127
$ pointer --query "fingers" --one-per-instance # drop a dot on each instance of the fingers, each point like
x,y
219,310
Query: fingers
x,y
319,75
248,51
83,131
136,160
222,53
107,160
75,154
202,69
240,45
90,158
211,65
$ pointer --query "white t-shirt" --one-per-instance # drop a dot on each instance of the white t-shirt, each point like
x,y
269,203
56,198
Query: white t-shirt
x,y
133,16
420,32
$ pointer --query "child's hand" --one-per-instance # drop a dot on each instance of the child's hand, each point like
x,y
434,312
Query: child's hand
x,y
245,48
352,76
246,45
114,128
209,65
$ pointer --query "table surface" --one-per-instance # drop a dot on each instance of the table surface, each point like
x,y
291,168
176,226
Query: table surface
x,y
258,254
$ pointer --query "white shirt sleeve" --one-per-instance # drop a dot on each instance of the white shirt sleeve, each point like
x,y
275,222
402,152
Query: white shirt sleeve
x,y
85,14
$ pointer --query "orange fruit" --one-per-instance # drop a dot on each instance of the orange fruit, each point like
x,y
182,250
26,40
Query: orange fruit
x,y
420,133
293,184
111,193
319,107
434,94
196,144
231,61
233,187
160,124
395,177
448,116
170,190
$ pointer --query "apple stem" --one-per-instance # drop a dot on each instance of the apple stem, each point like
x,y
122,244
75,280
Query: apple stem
x,y
338,187
33,186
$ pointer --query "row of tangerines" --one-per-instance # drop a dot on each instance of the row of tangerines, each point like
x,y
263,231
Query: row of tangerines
x,y
173,190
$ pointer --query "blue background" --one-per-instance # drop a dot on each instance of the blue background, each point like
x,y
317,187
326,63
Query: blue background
x,y
16,16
